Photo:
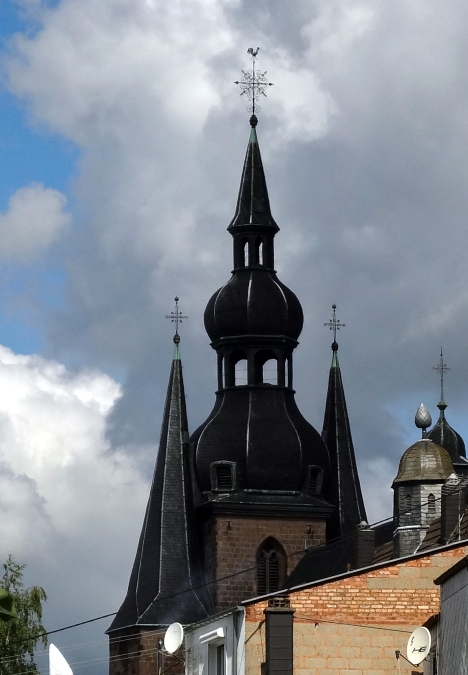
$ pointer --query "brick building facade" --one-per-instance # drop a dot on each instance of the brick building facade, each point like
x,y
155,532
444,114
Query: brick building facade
x,y
232,545
353,624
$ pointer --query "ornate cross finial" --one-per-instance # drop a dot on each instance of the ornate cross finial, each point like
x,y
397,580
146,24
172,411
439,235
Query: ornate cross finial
x,y
253,84
442,368
176,317
334,324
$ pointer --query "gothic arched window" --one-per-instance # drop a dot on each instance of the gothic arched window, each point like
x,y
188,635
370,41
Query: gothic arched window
x,y
271,566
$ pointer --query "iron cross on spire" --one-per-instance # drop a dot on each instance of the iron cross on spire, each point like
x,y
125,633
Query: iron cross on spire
x,y
334,324
442,368
176,317
253,83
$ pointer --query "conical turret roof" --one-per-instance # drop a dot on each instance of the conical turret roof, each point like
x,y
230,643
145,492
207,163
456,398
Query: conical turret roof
x,y
253,204
443,434
344,488
166,582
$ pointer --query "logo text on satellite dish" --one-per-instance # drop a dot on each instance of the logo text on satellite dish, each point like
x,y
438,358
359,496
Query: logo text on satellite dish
x,y
419,644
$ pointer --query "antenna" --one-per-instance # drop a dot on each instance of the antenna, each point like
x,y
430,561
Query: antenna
x,y
418,647
173,637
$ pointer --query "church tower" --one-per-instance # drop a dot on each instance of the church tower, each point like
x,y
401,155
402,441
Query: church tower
x,y
260,467
233,509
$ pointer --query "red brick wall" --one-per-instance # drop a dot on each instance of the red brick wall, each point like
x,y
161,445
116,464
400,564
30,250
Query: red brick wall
x,y
231,546
354,625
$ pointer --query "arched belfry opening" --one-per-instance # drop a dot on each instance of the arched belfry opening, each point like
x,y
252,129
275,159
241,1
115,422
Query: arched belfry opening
x,y
245,252
266,368
259,251
271,566
240,369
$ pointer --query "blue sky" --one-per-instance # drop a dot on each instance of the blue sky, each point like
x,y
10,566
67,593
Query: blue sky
x,y
29,152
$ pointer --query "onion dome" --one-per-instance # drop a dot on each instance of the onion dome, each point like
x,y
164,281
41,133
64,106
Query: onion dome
x,y
253,304
424,461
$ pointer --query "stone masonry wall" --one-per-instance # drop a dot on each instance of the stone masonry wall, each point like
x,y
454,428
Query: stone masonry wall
x,y
231,546
353,626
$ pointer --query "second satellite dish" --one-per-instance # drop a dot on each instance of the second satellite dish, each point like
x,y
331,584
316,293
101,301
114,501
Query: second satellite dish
x,y
173,637
57,662
419,645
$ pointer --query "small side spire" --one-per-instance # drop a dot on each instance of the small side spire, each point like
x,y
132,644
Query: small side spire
x,y
166,583
344,488
442,433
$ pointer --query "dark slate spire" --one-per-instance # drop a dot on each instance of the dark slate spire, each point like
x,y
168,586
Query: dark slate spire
x,y
253,204
442,433
166,583
344,488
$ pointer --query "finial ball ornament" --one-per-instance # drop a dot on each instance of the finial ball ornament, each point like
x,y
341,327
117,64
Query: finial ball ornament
x,y
423,418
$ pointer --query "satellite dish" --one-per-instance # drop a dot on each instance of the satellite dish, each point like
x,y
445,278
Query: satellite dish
x,y
173,637
58,665
419,645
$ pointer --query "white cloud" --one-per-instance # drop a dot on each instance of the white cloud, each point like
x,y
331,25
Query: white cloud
x,y
35,218
66,496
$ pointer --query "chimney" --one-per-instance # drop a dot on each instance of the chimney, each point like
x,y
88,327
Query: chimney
x,y
279,637
364,544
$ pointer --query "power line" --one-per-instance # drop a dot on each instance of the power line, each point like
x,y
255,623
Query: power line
x,y
308,550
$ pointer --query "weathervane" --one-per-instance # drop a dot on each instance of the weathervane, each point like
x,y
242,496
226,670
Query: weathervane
x,y
334,324
253,83
176,317
442,368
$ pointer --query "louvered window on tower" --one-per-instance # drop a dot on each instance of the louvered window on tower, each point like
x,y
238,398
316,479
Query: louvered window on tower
x,y
271,564
223,476
314,480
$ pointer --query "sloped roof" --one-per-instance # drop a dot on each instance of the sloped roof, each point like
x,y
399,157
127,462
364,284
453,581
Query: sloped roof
x,y
166,583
